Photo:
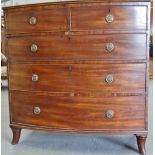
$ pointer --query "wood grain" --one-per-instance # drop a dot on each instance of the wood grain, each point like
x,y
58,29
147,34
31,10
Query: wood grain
x,y
141,144
78,78
72,65
79,113
86,47
69,3
56,19
16,135
128,17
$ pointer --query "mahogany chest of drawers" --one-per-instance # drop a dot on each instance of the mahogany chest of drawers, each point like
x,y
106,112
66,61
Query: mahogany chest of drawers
x,y
79,66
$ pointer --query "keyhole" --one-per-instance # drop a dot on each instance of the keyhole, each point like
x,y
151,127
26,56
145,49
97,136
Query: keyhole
x,y
69,68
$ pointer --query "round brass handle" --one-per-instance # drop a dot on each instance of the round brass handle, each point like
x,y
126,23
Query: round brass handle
x,y
35,77
109,47
109,18
34,48
36,110
110,113
109,79
33,20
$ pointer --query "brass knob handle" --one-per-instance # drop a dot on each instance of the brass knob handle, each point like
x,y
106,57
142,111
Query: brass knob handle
x,y
36,110
109,18
109,47
110,113
33,20
35,77
34,48
109,78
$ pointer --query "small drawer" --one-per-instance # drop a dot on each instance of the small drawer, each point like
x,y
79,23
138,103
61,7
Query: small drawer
x,y
78,113
79,78
109,18
86,47
36,20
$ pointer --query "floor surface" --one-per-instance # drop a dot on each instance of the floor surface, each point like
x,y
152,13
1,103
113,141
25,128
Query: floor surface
x,y
45,143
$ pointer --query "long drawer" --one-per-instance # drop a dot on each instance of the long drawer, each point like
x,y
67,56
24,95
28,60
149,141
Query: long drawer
x,y
85,47
34,20
78,78
109,18
78,113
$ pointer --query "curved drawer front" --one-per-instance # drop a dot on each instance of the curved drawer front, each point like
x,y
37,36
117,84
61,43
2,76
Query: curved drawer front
x,y
86,47
109,17
36,20
79,78
78,113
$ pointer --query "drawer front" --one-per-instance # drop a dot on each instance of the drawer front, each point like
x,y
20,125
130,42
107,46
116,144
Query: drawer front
x,y
36,20
79,78
109,17
86,47
78,113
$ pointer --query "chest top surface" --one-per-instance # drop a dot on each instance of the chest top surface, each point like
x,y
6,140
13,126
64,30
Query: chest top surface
x,y
67,2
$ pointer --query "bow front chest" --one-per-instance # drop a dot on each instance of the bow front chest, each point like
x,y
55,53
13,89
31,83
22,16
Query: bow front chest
x,y
79,66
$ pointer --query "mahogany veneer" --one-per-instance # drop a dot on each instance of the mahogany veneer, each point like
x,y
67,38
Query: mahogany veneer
x,y
79,113
86,47
79,78
56,19
79,66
